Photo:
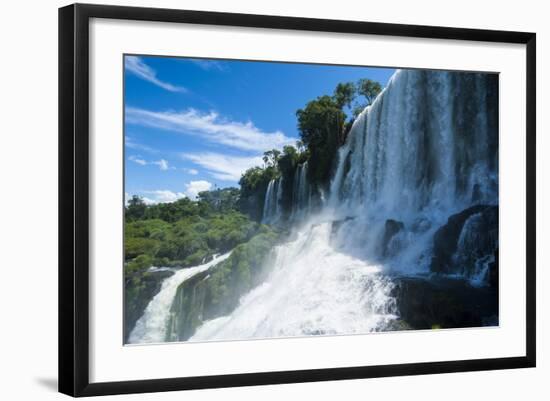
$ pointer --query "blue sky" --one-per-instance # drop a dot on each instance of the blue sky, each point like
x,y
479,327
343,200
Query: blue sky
x,y
197,124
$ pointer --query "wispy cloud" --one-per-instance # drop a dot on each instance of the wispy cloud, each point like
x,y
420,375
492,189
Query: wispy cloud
x,y
130,143
136,66
210,126
223,167
193,188
209,65
137,160
162,164
191,171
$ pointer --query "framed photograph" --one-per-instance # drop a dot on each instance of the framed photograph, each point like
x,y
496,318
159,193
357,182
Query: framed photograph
x,y
250,199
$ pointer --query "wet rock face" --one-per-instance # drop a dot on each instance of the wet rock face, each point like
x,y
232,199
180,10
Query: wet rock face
x,y
338,223
189,308
466,244
391,228
444,303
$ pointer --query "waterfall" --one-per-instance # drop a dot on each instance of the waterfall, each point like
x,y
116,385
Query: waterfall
x,y
312,289
301,194
301,198
425,149
424,152
272,212
427,143
152,326
268,201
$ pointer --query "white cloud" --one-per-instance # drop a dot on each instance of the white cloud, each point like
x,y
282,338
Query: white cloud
x,y
193,188
129,142
148,201
136,66
223,167
209,65
163,164
210,126
162,196
191,171
137,160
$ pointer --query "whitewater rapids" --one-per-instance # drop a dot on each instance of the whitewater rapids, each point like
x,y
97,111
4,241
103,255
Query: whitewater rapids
x,y
312,290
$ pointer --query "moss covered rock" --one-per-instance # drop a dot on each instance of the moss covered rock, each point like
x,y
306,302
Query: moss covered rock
x,y
217,291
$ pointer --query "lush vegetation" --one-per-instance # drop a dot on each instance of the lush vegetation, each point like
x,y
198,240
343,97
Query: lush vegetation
x,y
184,232
209,202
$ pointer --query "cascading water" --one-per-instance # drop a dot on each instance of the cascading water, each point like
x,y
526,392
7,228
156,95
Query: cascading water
x,y
301,194
427,143
312,289
426,149
474,239
272,205
152,326
268,202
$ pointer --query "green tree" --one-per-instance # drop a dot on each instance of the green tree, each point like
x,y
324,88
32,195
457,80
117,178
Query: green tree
x,y
369,89
219,200
344,94
173,211
135,209
321,125
271,157
287,162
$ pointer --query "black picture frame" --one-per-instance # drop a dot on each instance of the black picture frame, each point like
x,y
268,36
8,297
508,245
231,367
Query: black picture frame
x,y
74,198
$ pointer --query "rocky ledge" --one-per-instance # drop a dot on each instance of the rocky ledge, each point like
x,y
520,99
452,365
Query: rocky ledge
x,y
444,303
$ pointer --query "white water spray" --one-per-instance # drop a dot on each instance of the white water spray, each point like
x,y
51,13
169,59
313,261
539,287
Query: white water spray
x,y
272,205
152,326
312,289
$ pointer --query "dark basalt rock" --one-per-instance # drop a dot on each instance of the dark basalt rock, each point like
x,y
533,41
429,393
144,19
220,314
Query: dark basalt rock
x,y
338,223
139,290
446,238
391,228
444,303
